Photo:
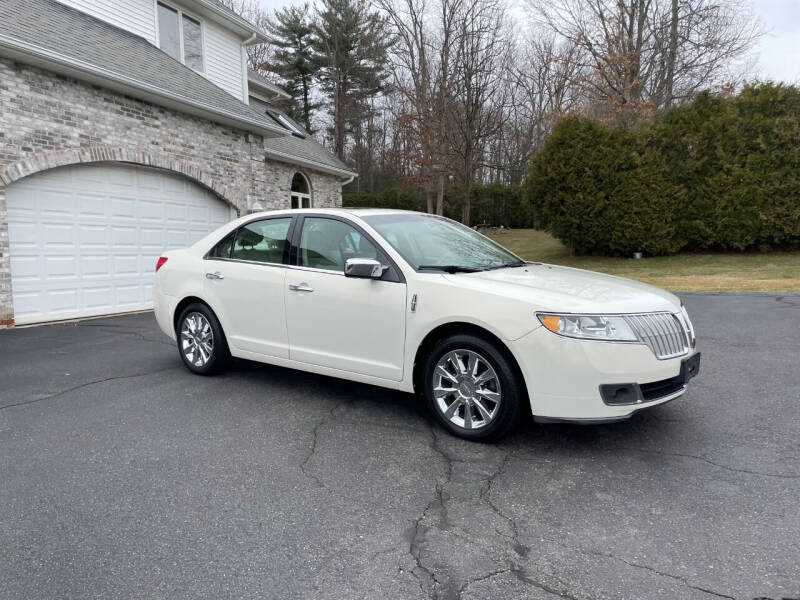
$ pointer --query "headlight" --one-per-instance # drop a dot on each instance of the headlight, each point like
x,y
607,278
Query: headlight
x,y
589,327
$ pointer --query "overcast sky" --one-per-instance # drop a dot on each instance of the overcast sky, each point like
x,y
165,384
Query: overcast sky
x,y
777,55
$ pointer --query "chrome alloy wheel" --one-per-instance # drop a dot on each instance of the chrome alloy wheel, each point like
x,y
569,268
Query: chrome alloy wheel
x,y
466,389
197,339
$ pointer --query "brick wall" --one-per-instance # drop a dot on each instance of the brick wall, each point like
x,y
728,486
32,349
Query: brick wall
x,y
48,120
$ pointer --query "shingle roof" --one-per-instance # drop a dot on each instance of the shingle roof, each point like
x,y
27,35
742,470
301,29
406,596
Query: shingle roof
x,y
303,149
49,30
258,80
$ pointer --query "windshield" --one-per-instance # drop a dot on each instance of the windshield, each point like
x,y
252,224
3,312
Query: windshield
x,y
428,242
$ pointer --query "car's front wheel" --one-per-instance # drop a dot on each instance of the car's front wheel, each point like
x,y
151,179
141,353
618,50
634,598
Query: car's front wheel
x,y
472,387
201,342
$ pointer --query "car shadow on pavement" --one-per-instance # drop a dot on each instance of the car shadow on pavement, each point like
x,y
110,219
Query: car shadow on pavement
x,y
659,425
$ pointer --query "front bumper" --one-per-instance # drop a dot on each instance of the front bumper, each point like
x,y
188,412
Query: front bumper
x,y
574,380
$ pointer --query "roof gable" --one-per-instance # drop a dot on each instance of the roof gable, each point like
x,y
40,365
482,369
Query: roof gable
x,y
49,34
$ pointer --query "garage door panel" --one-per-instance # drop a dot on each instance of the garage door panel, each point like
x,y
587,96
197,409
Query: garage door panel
x,y
55,233
84,240
95,265
92,236
124,236
151,210
51,205
124,209
129,295
91,208
61,267
25,267
95,297
125,264
25,233
61,301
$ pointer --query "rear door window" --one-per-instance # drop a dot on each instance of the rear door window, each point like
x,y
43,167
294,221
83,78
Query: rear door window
x,y
262,241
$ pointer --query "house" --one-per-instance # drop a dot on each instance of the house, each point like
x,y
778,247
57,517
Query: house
x,y
127,128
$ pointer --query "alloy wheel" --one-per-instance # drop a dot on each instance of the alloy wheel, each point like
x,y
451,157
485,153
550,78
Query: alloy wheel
x,y
466,389
197,339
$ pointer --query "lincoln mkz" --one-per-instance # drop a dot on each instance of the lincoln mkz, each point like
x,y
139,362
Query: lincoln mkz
x,y
420,303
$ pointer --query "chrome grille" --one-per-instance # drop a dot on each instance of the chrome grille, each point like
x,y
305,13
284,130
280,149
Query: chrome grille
x,y
661,332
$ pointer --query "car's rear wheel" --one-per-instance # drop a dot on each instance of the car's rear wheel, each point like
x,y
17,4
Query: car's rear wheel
x,y
201,342
472,388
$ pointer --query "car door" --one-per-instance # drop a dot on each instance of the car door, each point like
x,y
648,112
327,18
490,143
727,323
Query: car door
x,y
346,323
245,275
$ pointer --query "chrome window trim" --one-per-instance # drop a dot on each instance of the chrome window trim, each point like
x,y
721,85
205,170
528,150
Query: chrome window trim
x,y
246,262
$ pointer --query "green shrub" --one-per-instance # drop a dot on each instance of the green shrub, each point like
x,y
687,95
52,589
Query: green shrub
x,y
718,173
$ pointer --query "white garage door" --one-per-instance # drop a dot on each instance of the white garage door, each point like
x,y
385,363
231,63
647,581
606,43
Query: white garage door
x,y
84,240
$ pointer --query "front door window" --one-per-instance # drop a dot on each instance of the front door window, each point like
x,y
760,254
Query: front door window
x,y
328,243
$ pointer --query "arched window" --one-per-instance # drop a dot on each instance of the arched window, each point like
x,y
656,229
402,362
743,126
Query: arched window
x,y
301,191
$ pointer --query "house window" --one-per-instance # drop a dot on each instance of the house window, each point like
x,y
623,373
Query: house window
x,y
180,36
301,192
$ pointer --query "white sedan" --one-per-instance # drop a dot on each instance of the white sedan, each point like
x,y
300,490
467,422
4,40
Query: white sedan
x,y
420,303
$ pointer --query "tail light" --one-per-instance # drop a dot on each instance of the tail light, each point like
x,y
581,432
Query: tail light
x,y
160,262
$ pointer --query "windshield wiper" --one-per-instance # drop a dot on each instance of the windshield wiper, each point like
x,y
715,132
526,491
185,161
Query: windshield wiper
x,y
508,265
449,268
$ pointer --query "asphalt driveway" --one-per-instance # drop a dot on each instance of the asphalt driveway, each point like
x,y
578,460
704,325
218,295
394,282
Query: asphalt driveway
x,y
124,476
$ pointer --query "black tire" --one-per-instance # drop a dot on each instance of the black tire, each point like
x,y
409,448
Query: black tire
x,y
220,357
511,386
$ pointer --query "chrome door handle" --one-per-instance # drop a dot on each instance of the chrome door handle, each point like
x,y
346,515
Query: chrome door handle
x,y
300,287
214,275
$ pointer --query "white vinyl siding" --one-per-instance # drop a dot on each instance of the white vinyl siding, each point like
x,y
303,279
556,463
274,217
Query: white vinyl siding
x,y
136,16
224,65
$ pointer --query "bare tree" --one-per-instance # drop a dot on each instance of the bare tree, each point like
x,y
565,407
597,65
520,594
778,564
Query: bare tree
x,y
644,54
482,51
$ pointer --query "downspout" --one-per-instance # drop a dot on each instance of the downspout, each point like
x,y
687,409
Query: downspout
x,y
245,83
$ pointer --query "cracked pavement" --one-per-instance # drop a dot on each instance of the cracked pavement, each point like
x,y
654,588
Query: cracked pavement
x,y
123,475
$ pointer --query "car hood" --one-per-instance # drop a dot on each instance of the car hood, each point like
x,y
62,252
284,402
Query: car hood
x,y
564,289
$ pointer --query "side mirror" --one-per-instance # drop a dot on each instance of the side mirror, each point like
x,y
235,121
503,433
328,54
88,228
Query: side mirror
x,y
365,268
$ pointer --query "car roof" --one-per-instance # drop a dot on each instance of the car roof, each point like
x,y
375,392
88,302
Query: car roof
x,y
359,212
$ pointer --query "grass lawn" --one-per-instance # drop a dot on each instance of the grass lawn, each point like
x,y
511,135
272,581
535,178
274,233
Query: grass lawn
x,y
712,272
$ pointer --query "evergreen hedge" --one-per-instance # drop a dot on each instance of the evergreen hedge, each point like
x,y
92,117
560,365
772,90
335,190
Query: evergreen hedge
x,y
719,173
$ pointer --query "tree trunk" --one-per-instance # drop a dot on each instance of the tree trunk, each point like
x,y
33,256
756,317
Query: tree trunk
x,y
429,200
306,107
440,196
467,203
671,57
338,122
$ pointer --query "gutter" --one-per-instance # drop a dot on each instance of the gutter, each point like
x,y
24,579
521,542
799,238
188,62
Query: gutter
x,y
256,36
24,52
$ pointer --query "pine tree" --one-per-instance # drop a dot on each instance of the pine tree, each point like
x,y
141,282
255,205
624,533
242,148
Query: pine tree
x,y
351,52
293,60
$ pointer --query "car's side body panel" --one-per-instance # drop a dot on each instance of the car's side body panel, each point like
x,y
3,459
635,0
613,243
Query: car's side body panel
x,y
258,324
349,324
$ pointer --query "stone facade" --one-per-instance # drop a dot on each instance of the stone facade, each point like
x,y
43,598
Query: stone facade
x,y
48,121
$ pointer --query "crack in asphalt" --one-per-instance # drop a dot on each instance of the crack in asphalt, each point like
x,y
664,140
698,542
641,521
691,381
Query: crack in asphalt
x,y
313,450
430,581
125,331
785,301
523,577
83,385
711,462
486,496
683,580
418,529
